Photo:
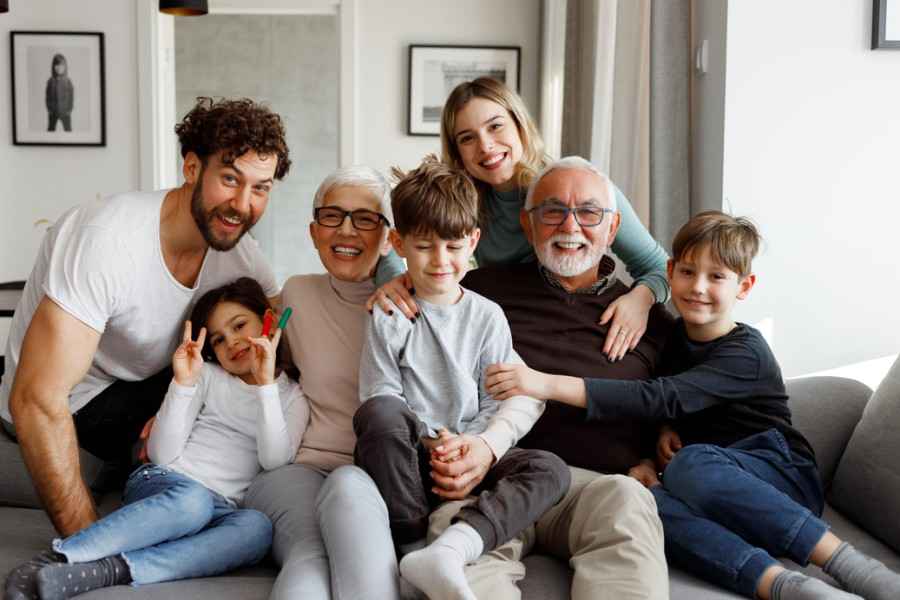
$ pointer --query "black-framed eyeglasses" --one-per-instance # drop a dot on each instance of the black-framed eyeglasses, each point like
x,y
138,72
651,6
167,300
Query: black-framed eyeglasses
x,y
362,219
555,214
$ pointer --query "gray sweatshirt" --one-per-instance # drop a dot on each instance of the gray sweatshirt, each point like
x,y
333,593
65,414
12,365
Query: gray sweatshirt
x,y
436,365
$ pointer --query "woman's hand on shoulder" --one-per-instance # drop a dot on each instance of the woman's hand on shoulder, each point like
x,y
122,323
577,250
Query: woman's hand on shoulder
x,y
629,314
396,292
187,362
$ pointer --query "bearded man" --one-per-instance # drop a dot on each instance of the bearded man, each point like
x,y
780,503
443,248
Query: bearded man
x,y
605,527
113,282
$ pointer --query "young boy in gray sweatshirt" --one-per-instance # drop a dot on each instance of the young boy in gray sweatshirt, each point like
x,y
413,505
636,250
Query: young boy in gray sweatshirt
x,y
421,384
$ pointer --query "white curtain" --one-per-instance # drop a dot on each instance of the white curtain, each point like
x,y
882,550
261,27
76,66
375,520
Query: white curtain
x,y
626,104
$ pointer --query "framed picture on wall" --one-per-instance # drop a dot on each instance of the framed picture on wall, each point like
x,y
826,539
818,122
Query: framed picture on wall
x,y
886,24
58,88
435,70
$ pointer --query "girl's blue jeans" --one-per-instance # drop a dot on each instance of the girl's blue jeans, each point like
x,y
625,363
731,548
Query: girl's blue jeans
x,y
727,512
172,527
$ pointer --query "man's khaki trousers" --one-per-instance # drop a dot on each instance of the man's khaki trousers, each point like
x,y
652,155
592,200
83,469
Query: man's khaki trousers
x,y
605,527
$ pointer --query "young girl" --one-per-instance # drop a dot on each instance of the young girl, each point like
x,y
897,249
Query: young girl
x,y
487,131
221,421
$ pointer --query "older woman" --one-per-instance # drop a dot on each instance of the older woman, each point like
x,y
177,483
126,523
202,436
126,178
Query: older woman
x,y
332,537
327,548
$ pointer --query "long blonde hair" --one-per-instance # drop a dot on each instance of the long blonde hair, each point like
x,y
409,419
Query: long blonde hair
x,y
533,156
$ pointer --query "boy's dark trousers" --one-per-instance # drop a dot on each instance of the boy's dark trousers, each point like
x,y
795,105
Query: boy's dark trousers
x,y
728,513
514,493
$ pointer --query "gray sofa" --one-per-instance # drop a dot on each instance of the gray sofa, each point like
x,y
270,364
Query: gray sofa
x,y
855,461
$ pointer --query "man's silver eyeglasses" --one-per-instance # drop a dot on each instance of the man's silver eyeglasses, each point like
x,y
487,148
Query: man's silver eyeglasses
x,y
362,219
555,214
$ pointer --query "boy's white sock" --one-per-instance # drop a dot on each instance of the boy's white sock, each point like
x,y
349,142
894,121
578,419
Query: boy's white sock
x,y
438,569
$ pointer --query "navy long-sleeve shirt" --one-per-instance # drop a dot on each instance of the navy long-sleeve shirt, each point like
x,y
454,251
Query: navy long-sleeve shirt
x,y
716,392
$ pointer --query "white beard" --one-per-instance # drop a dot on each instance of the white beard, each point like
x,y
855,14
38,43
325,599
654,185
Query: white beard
x,y
569,265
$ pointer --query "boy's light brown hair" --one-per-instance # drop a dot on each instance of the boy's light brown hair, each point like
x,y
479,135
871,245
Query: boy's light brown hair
x,y
732,241
434,198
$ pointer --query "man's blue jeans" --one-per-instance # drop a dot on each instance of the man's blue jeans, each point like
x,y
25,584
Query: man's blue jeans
x,y
172,527
727,512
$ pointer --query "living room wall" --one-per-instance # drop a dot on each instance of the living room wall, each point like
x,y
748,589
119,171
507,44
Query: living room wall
x,y
811,153
38,182
385,31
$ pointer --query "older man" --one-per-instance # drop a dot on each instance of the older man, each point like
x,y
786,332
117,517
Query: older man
x,y
109,292
606,526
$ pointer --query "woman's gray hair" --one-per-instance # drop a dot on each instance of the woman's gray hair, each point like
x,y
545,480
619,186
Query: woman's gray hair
x,y
572,163
356,176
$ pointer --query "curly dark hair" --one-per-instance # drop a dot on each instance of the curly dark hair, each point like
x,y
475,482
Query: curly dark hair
x,y
233,127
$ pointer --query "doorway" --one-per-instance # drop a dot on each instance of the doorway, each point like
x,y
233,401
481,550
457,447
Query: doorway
x,y
289,62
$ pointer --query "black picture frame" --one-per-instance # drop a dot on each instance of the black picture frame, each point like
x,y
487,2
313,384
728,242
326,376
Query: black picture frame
x,y
58,101
435,69
880,33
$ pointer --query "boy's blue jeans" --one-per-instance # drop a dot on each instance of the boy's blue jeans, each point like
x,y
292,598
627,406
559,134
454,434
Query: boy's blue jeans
x,y
727,512
172,527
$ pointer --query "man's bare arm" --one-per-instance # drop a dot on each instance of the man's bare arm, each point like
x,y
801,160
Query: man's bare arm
x,y
56,353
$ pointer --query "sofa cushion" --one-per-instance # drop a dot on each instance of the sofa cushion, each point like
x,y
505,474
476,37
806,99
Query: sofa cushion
x,y
826,410
866,485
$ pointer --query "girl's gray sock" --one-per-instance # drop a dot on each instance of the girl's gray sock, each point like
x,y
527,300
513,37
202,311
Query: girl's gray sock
x,y
21,583
791,585
862,574
60,581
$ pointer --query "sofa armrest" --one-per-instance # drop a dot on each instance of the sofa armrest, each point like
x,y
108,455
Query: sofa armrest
x,y
826,410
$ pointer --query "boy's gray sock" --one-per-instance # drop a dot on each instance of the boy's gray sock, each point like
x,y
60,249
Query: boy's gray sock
x,y
862,574
21,583
60,581
791,585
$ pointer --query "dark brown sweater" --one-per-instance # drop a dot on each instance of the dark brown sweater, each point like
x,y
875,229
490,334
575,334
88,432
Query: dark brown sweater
x,y
557,332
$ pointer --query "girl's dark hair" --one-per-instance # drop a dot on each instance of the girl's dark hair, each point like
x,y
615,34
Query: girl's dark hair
x,y
248,293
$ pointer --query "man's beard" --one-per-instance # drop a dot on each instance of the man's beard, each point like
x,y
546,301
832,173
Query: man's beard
x,y
569,266
203,220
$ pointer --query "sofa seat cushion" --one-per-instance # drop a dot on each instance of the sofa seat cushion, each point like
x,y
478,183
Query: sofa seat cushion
x,y
866,485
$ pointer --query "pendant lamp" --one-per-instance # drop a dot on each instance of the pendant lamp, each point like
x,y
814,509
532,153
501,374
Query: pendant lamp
x,y
183,8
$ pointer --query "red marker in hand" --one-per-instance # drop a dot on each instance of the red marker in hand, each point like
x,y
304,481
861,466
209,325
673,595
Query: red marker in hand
x,y
267,322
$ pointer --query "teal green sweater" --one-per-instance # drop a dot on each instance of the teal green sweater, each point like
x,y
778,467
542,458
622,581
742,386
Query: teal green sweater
x,y
503,242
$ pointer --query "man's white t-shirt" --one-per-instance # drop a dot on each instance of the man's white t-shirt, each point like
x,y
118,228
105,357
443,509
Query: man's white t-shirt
x,y
103,264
